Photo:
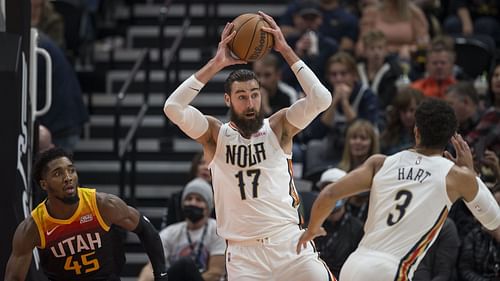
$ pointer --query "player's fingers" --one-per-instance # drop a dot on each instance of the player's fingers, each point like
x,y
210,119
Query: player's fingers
x,y
299,246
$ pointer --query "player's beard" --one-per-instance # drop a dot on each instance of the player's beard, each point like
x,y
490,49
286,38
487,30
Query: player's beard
x,y
247,126
69,200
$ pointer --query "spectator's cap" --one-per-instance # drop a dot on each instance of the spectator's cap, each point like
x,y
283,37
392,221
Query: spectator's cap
x,y
339,204
201,187
309,8
329,176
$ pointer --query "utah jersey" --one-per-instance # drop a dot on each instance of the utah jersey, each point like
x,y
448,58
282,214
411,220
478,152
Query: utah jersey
x,y
254,192
78,248
408,206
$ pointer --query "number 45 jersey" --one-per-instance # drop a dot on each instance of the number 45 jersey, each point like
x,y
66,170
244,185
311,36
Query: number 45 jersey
x,y
408,206
254,192
78,248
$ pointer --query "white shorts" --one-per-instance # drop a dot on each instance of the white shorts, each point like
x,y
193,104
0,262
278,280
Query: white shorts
x,y
365,264
275,259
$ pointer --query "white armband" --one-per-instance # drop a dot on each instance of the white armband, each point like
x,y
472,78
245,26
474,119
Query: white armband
x,y
484,207
317,98
189,119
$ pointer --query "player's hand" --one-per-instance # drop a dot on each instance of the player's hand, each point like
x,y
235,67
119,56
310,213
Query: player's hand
x,y
223,56
463,152
280,43
307,236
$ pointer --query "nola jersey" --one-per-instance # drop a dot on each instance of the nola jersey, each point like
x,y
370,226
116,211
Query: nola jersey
x,y
408,206
78,248
254,192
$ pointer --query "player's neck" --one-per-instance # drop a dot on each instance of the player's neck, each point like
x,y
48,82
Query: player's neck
x,y
427,151
60,210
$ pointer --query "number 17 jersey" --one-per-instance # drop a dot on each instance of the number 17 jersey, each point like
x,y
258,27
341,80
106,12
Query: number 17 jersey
x,y
254,192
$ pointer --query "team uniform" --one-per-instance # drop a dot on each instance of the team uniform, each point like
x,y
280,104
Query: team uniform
x,y
78,248
408,206
257,209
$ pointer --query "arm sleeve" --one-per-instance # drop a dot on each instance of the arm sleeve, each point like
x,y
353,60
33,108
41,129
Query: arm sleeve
x,y
317,98
484,207
189,119
151,242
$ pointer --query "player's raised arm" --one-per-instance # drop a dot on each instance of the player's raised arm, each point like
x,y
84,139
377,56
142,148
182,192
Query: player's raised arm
x,y
317,97
115,211
189,119
357,181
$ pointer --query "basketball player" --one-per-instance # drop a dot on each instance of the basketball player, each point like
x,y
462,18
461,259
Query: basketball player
x,y
411,193
71,228
250,161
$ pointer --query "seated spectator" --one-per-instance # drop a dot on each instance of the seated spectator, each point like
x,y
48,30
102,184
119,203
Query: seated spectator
x,y
343,231
275,93
480,253
474,17
403,24
193,250
440,59
351,101
67,115
439,263
377,70
47,20
486,135
338,23
309,43
465,102
398,134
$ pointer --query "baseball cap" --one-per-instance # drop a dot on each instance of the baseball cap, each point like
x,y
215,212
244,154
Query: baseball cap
x,y
330,175
308,8
201,187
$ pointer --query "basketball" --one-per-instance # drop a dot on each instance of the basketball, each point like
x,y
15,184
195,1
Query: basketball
x,y
250,42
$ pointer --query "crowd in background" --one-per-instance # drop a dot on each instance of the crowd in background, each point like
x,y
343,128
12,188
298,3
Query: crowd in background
x,y
379,59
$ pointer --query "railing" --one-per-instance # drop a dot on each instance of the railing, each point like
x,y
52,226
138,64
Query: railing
x,y
127,149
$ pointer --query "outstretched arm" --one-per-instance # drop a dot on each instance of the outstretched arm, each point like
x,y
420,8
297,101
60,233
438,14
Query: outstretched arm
x,y
317,98
115,211
357,181
25,239
189,119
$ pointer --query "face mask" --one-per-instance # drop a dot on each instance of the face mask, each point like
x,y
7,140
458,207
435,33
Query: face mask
x,y
193,213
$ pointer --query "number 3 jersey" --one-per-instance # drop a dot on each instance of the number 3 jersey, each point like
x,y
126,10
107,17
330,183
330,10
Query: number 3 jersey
x,y
77,248
408,206
254,192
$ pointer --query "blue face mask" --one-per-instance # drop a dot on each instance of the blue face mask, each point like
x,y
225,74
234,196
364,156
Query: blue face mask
x,y
193,213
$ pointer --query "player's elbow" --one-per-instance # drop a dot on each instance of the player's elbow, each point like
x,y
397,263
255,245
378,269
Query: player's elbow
x,y
322,97
173,111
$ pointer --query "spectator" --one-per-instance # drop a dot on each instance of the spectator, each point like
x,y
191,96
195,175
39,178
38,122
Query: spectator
x,y
45,18
308,42
402,22
439,263
465,101
68,113
480,253
343,231
44,139
276,94
486,135
398,134
193,250
379,71
338,23
474,17
351,100
440,59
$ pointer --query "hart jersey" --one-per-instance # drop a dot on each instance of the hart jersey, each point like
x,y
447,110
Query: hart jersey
x,y
78,248
408,206
254,192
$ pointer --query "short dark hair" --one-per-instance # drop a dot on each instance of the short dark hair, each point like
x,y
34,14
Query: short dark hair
x,y
464,89
240,75
436,122
45,157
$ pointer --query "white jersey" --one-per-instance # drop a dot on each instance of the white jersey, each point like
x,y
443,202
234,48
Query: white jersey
x,y
254,192
408,206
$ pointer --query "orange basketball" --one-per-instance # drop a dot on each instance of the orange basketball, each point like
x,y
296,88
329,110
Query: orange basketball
x,y
250,42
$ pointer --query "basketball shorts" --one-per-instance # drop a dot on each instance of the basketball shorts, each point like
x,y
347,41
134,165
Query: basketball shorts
x,y
365,264
275,259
